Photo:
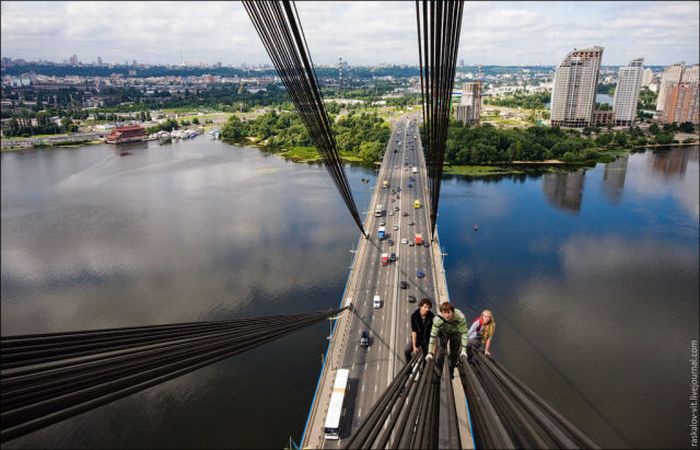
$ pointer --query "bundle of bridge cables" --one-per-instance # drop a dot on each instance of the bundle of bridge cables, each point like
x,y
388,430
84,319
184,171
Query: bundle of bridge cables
x,y
439,26
406,414
279,28
504,413
45,378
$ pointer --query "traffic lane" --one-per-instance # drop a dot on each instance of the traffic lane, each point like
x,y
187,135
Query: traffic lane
x,y
368,383
354,359
358,361
383,283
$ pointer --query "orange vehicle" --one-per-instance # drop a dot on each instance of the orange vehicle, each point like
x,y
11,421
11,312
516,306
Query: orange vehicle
x,y
419,239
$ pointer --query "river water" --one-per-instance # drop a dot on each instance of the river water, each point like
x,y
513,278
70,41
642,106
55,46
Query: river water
x,y
592,277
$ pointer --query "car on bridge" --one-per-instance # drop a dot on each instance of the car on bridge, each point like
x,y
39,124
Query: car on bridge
x,y
420,273
411,243
404,241
390,242
364,339
404,285
393,257
411,299
396,227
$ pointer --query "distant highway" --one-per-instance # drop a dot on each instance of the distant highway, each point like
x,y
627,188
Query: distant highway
x,y
373,368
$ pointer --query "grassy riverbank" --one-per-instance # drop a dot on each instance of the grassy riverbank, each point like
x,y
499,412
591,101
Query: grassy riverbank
x,y
48,145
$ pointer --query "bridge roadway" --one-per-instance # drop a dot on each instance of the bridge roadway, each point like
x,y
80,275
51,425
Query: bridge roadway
x,y
373,368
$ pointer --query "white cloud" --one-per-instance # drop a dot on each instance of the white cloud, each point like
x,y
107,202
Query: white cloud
x,y
359,32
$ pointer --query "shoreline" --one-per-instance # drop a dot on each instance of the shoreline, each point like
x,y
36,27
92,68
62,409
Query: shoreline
x,y
61,144
308,155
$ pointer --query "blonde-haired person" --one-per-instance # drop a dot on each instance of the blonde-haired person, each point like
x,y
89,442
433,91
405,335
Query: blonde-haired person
x,y
481,331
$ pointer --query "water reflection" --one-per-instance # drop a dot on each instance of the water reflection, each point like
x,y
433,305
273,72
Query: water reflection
x,y
670,173
614,178
564,190
670,163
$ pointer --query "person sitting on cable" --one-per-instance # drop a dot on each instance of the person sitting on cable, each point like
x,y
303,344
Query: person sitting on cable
x,y
450,326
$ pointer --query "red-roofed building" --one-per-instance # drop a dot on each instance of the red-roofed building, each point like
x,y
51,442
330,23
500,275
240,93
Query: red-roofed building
x,y
131,133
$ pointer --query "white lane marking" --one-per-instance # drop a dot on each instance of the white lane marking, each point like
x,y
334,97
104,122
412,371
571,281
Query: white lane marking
x,y
363,388
375,388
359,412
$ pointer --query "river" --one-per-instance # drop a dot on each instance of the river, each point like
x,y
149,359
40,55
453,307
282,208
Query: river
x,y
592,277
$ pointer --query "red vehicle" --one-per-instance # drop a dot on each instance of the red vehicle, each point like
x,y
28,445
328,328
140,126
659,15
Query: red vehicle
x,y
385,259
419,239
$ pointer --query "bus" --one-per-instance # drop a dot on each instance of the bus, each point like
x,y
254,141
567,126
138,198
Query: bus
x,y
416,204
335,408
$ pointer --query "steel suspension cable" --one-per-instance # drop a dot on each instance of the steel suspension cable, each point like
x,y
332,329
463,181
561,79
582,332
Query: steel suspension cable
x,y
441,24
505,408
35,395
279,28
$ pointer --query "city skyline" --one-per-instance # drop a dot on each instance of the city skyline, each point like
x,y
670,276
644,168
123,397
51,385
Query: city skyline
x,y
663,33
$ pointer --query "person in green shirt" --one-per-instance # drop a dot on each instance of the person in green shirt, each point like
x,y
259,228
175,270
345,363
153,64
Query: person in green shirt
x,y
450,325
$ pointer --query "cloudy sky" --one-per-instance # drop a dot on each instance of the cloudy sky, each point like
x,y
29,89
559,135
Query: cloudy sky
x,y
498,33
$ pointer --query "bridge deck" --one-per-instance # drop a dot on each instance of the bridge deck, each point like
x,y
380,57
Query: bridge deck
x,y
373,368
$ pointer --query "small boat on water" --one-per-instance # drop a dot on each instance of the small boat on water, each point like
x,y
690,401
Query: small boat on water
x,y
476,227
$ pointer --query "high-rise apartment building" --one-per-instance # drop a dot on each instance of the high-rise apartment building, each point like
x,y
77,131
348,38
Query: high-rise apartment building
x,y
469,108
574,88
73,60
647,77
681,101
672,75
99,60
629,79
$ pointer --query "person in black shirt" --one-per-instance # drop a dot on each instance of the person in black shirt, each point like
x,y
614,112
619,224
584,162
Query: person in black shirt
x,y
421,324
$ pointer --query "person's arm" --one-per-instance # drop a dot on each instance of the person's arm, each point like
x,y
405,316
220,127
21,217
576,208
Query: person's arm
x,y
488,345
437,322
462,327
413,341
472,330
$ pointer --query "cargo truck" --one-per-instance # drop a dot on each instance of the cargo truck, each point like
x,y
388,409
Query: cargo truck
x,y
385,259
415,169
378,211
381,233
385,183
419,239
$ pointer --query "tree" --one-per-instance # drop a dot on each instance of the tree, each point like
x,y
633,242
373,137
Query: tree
x,y
195,121
371,151
621,139
42,120
654,129
687,127
66,123
233,130
604,139
664,138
